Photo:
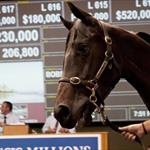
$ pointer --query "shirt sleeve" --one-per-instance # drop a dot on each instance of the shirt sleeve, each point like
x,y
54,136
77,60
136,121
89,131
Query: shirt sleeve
x,y
50,123
12,119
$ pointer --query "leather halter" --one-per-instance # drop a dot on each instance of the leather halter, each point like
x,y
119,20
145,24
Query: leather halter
x,y
93,85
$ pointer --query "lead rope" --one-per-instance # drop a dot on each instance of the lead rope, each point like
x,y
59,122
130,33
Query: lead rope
x,y
106,121
93,98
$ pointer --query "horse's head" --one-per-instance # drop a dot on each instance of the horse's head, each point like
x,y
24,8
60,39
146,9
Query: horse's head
x,y
89,69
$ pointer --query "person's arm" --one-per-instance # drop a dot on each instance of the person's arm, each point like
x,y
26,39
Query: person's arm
x,y
48,126
50,130
65,130
130,132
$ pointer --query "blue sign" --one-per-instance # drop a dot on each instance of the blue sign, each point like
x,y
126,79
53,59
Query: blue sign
x,y
51,142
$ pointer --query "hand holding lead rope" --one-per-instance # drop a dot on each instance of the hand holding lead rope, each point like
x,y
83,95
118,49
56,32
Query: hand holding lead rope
x,y
105,120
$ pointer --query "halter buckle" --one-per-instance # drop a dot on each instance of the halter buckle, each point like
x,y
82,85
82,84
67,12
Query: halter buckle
x,y
93,97
108,40
109,54
75,80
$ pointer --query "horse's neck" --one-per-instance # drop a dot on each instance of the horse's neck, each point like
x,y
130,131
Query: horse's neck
x,y
140,80
135,55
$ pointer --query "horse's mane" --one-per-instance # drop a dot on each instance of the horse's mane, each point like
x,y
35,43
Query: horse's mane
x,y
144,36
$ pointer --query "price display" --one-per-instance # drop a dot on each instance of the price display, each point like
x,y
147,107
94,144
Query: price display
x,y
45,13
32,31
9,21
20,52
137,10
30,35
98,9
8,15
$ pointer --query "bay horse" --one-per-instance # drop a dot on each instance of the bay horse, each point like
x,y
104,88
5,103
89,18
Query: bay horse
x,y
97,56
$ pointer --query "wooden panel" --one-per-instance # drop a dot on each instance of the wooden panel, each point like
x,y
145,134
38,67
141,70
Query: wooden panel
x,y
15,130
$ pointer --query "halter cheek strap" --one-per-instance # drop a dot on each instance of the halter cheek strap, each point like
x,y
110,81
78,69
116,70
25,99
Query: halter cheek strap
x,y
93,85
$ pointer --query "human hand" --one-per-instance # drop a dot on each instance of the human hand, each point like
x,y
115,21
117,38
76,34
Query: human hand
x,y
63,130
51,130
130,132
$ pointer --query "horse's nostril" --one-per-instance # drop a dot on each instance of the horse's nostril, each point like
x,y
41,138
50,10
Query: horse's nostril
x,y
62,112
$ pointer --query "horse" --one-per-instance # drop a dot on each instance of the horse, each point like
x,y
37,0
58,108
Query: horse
x,y
97,55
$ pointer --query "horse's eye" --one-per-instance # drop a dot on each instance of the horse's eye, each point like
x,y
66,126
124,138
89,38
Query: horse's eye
x,y
82,49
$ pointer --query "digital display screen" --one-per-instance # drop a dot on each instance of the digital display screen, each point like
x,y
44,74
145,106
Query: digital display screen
x,y
32,43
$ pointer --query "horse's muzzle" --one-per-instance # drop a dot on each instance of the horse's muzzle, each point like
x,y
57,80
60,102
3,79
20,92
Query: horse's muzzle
x,y
63,114
62,111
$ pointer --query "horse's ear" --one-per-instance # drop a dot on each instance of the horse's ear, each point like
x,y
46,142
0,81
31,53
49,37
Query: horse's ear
x,y
79,13
66,23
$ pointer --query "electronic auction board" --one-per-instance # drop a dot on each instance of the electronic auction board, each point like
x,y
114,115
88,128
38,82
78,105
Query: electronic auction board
x,y
31,31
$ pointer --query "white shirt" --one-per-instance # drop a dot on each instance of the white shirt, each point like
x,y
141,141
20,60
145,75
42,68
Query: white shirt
x,y
51,123
10,119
